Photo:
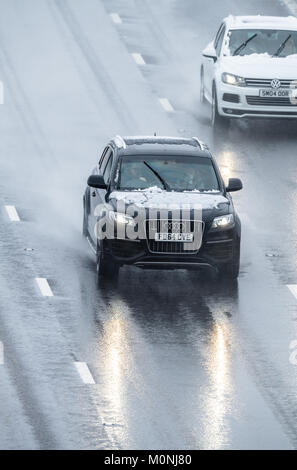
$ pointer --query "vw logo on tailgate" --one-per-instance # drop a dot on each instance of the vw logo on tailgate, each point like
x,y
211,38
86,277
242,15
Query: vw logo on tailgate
x,y
275,83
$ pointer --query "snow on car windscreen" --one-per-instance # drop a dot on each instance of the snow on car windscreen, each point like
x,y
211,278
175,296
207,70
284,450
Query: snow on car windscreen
x,y
277,43
172,173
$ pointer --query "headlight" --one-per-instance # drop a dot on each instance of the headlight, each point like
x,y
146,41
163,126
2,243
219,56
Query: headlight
x,y
120,218
224,221
231,79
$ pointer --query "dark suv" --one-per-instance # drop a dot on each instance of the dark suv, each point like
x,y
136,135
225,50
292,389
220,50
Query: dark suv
x,y
160,202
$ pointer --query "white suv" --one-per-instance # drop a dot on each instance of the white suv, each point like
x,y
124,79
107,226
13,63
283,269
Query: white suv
x,y
250,69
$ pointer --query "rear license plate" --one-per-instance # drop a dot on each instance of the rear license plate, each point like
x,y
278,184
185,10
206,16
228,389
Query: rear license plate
x,y
174,237
271,93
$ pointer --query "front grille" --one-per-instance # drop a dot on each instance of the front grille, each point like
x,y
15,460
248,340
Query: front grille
x,y
172,226
266,83
269,101
231,98
169,247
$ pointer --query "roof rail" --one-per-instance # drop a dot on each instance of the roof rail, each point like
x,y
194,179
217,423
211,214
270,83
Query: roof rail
x,y
119,141
201,144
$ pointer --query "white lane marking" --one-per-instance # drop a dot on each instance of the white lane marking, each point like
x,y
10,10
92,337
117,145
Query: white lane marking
x,y
1,353
116,18
44,287
293,289
12,213
166,105
84,373
292,6
138,58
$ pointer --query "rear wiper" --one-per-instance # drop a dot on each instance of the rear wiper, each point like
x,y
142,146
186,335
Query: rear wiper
x,y
282,46
166,185
244,44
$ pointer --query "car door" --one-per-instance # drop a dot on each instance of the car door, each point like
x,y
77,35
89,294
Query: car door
x,y
211,55
98,195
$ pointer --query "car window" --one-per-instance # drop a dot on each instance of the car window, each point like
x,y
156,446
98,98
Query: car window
x,y
105,159
218,34
262,41
103,155
107,169
219,42
180,173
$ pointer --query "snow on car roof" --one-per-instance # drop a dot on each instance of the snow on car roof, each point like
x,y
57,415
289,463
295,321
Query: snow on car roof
x,y
265,22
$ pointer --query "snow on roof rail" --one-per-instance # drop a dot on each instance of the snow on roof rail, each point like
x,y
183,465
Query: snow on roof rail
x,y
201,144
119,141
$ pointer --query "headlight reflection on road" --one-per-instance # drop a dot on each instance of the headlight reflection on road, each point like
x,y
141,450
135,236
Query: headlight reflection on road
x,y
219,392
116,363
227,164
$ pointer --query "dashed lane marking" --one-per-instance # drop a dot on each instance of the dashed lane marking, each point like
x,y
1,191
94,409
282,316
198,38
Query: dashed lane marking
x,y
12,213
116,18
293,289
84,372
166,105
44,287
138,58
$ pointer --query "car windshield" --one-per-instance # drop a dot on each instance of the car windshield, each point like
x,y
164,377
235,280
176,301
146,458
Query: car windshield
x,y
172,173
261,41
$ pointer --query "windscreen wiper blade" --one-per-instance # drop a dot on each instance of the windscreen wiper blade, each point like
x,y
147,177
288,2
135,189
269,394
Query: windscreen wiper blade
x,y
244,44
282,46
166,185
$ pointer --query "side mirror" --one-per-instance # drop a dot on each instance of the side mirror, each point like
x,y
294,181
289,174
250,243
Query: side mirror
x,y
234,184
210,52
97,181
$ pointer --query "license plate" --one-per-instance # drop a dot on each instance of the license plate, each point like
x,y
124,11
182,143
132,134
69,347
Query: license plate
x,y
280,93
174,237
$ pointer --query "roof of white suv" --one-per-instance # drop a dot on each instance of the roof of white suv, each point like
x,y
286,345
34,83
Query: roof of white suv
x,y
263,22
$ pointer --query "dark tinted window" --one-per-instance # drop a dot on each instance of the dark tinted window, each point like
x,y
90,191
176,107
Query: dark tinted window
x,y
180,173
107,169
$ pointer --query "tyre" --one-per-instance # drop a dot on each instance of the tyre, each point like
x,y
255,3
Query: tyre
x,y
202,93
107,269
217,121
230,271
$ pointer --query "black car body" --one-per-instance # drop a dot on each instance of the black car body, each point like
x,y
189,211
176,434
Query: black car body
x,y
220,225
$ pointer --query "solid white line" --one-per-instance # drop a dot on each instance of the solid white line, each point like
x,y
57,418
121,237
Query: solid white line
x,y
138,58
166,105
44,287
116,18
84,373
12,213
292,6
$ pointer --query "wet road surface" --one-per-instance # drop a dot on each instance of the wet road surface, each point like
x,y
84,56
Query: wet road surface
x,y
163,359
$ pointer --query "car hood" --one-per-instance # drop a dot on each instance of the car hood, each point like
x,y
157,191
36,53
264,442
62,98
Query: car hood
x,y
261,66
158,199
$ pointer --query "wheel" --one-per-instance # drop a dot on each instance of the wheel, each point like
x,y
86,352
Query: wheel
x,y
202,94
217,121
85,222
107,269
230,271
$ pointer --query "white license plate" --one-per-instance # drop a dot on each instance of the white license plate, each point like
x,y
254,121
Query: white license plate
x,y
174,237
280,93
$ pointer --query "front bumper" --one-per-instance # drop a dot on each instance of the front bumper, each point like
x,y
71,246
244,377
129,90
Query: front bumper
x,y
239,102
214,252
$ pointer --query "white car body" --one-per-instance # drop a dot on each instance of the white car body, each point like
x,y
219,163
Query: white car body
x,y
260,70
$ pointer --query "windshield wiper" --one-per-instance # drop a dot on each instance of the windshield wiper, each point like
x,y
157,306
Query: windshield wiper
x,y
244,44
166,185
282,46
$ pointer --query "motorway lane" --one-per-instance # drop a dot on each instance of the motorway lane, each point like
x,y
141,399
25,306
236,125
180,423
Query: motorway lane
x,y
177,361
